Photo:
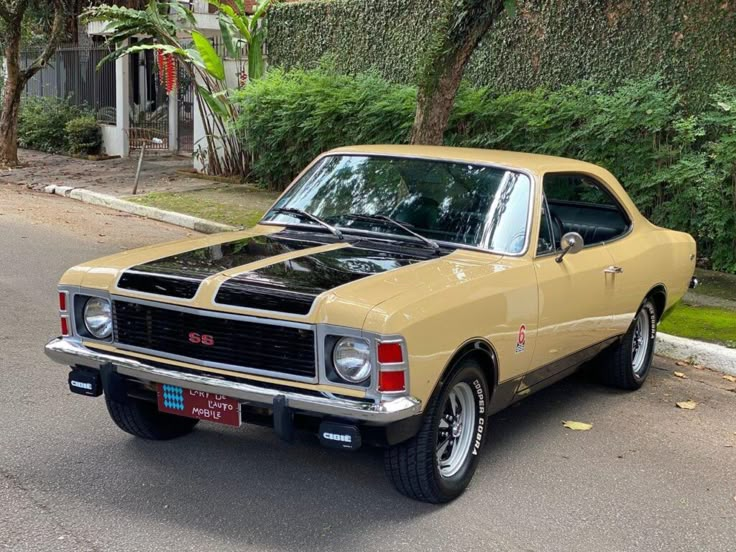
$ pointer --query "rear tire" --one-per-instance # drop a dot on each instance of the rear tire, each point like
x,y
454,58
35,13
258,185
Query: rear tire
x,y
437,464
626,364
143,419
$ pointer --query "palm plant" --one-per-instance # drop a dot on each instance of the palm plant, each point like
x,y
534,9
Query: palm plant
x,y
235,21
171,27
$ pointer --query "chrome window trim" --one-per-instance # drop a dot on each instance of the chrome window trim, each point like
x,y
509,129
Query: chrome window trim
x,y
629,228
525,172
550,228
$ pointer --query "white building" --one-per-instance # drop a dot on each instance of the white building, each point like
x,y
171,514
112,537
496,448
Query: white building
x,y
144,113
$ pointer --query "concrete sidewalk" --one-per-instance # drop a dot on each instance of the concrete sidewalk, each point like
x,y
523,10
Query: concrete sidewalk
x,y
113,177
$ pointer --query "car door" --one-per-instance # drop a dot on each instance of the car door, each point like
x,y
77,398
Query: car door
x,y
607,223
576,293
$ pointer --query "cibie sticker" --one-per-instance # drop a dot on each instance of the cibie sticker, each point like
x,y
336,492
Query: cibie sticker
x,y
521,339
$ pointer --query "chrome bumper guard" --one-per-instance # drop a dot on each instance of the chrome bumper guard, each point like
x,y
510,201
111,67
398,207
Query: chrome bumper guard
x,y
72,353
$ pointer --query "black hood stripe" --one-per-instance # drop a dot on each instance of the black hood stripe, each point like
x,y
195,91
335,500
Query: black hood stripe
x,y
181,275
291,286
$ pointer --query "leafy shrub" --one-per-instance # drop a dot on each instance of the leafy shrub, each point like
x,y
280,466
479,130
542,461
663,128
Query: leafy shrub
x,y
678,166
84,135
42,122
287,118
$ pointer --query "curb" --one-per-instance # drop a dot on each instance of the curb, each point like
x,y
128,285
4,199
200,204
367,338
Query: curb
x,y
715,357
112,202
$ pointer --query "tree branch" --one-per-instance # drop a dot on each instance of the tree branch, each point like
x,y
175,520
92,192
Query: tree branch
x,y
57,34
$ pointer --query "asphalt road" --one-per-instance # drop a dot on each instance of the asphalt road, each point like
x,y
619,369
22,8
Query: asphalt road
x,y
648,476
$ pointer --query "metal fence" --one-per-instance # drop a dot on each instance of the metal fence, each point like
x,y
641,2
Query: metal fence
x,y
72,73
149,102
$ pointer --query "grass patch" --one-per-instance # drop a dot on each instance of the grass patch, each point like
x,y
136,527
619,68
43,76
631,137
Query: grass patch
x,y
704,323
236,205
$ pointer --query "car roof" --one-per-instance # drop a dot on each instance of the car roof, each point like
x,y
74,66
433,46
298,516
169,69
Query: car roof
x,y
516,160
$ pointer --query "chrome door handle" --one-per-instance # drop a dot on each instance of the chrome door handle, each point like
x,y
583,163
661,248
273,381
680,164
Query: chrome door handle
x,y
614,270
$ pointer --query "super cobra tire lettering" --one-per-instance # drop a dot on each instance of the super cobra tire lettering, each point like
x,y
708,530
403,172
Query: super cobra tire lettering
x,y
481,420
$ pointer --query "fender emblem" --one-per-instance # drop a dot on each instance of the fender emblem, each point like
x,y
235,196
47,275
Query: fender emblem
x,y
521,339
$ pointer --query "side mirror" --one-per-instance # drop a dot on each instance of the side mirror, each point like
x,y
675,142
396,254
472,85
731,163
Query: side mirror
x,y
572,243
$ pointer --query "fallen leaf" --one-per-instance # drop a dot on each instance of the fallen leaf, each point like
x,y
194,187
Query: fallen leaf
x,y
680,363
730,378
687,405
699,367
679,375
577,426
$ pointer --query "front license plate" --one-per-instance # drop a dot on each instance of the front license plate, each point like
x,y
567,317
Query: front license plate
x,y
198,404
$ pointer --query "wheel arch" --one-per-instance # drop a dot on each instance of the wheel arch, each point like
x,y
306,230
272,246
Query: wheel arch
x,y
480,349
658,295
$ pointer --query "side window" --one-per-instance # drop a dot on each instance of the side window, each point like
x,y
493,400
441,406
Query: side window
x,y
547,242
578,203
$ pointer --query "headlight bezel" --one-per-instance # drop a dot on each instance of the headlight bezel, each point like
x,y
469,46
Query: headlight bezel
x,y
105,307
362,370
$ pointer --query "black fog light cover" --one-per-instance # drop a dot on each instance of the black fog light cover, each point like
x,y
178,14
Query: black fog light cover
x,y
85,382
340,436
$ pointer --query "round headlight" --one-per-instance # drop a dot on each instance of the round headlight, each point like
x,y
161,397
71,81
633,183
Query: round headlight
x,y
352,359
98,317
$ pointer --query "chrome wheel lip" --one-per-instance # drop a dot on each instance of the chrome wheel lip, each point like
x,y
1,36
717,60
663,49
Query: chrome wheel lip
x,y
640,343
456,429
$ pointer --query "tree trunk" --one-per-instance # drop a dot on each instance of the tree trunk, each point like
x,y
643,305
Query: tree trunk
x,y
16,78
435,103
442,72
14,84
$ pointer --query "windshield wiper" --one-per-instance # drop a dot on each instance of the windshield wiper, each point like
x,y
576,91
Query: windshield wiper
x,y
383,218
302,213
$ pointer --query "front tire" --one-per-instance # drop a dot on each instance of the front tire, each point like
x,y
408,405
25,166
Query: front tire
x,y
437,464
626,365
143,419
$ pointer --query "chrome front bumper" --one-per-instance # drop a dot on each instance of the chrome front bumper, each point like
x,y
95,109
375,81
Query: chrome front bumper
x,y
72,353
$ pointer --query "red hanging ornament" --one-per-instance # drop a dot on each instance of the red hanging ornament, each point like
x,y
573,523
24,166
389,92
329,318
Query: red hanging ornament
x,y
160,62
170,73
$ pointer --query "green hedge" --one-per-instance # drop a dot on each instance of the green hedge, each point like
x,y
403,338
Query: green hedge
x,y
678,165
288,118
548,43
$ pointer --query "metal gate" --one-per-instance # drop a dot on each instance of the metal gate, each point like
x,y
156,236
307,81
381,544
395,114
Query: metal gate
x,y
185,111
149,103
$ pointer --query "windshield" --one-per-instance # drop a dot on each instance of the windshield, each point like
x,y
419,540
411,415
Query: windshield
x,y
453,202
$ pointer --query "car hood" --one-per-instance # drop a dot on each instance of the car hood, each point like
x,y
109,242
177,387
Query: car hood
x,y
274,272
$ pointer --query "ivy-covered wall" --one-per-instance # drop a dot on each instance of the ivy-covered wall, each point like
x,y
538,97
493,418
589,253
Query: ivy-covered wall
x,y
550,42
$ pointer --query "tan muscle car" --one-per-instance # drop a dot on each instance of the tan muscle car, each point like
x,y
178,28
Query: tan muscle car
x,y
393,295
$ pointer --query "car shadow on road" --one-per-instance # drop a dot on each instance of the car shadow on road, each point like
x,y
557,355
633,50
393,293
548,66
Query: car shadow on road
x,y
249,487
